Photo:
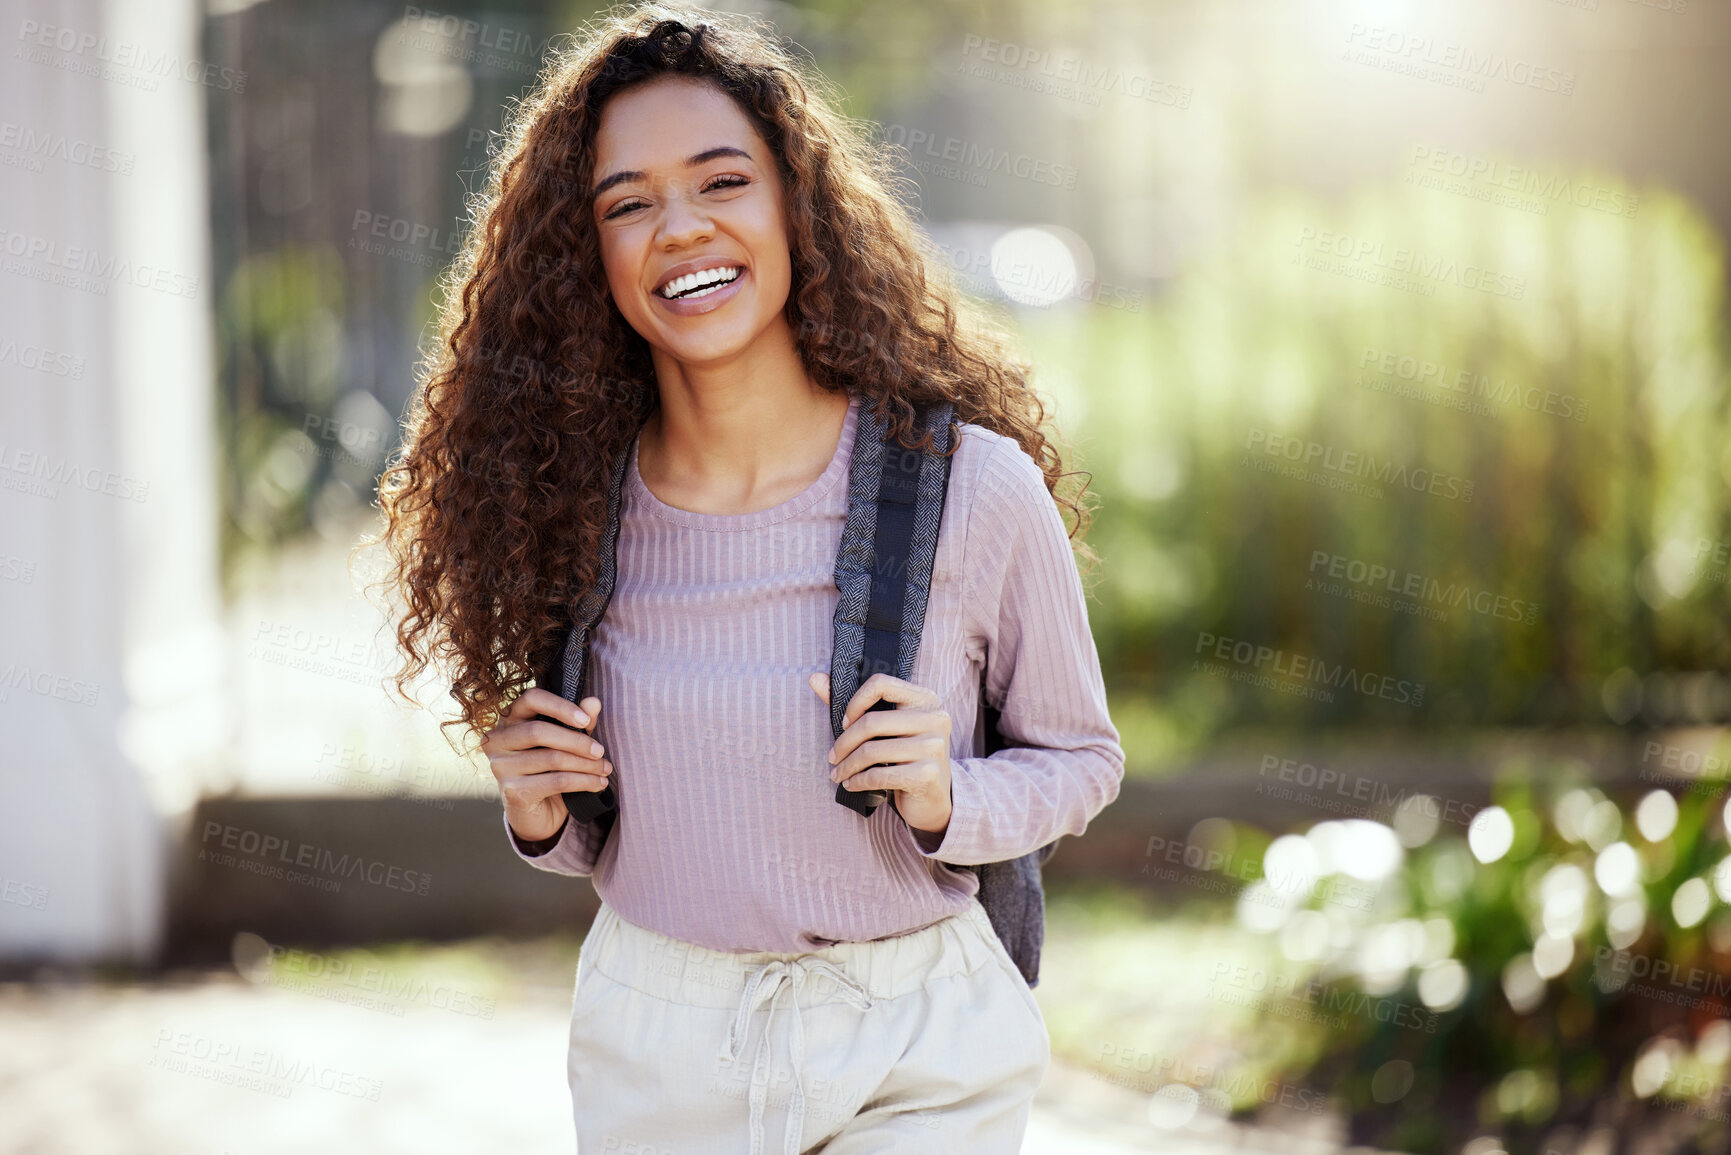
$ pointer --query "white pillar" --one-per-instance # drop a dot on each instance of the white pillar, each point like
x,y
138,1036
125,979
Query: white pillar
x,y
111,689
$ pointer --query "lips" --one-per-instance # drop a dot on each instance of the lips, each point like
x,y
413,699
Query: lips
x,y
697,278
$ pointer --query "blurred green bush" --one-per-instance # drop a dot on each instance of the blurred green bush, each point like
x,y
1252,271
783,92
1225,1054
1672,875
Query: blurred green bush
x,y
1588,416
1561,967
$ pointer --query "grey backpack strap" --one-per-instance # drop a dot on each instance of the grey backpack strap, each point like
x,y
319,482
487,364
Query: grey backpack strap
x,y
883,566
883,570
589,805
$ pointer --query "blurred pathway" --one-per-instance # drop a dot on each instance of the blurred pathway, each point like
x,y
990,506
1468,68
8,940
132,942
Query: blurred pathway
x,y
93,1069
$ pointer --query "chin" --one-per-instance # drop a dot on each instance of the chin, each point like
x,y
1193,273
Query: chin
x,y
706,352
719,342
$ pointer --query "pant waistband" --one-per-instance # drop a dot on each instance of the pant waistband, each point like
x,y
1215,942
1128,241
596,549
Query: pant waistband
x,y
683,972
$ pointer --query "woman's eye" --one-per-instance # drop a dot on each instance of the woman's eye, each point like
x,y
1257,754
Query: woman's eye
x,y
714,183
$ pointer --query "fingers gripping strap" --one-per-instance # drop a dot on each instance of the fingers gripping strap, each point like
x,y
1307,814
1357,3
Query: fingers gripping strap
x,y
883,567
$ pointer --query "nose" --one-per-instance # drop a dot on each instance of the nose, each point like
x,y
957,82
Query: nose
x,y
684,222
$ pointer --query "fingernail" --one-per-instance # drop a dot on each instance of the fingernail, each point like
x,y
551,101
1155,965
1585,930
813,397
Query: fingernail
x,y
594,749
582,718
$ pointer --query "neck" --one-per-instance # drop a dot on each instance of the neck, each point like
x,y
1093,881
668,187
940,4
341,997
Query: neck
x,y
742,427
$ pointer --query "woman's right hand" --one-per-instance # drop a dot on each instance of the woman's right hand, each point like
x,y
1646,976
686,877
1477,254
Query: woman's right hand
x,y
537,752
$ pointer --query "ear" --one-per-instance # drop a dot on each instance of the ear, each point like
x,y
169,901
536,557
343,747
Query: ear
x,y
820,684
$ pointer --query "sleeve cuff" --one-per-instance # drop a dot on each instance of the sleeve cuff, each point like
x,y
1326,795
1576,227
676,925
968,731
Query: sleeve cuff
x,y
953,844
575,850
930,844
537,849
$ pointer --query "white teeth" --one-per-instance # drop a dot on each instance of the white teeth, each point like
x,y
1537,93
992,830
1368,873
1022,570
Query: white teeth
x,y
693,280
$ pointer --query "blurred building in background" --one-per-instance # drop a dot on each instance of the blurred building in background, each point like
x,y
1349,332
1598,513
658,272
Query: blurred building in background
x,y
112,698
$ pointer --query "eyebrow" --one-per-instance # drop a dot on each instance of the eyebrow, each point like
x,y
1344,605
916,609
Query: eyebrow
x,y
703,157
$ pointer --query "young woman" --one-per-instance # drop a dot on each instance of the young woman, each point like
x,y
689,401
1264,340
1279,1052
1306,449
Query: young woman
x,y
687,256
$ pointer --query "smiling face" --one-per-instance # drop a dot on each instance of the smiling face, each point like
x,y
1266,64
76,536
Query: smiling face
x,y
693,233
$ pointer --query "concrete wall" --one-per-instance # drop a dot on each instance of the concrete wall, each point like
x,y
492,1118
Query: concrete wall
x,y
237,871
341,871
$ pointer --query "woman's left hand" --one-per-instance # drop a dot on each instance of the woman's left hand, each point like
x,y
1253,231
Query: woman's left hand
x,y
912,743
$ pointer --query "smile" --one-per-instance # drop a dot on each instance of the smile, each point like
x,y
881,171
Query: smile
x,y
699,284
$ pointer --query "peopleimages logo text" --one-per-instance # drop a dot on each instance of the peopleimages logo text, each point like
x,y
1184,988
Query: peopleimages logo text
x,y
126,54
1405,583
1468,62
1068,68
1547,187
1614,968
77,259
1306,668
316,858
1438,375
1362,465
970,154
1368,253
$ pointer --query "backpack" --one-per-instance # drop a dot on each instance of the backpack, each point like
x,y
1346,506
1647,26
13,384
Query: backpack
x,y
883,572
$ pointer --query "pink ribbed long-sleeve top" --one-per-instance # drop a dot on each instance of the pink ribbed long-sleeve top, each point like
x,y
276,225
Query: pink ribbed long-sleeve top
x,y
728,833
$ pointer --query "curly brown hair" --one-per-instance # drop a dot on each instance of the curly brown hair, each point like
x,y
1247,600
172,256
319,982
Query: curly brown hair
x,y
494,505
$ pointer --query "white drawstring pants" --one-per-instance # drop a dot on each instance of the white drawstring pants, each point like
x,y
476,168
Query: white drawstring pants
x,y
929,1042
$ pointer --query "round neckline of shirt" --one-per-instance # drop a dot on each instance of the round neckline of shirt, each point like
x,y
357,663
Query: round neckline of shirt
x,y
727,522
